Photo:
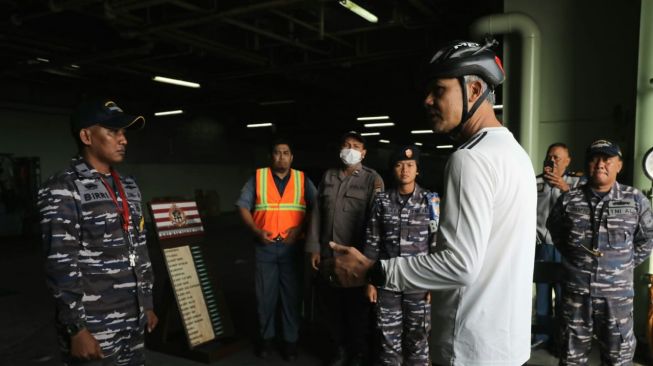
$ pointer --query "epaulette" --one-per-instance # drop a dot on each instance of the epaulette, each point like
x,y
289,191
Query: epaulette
x,y
575,174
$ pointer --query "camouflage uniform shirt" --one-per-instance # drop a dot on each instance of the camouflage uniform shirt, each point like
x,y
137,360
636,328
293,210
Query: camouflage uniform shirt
x,y
400,229
618,225
88,267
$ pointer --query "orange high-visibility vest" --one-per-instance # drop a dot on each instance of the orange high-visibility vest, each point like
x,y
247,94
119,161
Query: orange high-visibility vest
x,y
275,213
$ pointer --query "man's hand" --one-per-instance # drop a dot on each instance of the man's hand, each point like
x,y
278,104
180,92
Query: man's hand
x,y
349,266
84,346
315,261
264,236
293,234
370,292
152,320
556,181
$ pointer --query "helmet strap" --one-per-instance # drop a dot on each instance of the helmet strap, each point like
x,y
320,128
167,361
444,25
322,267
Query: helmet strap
x,y
466,115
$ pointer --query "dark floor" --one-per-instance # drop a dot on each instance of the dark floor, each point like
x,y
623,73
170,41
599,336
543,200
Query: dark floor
x,y
26,309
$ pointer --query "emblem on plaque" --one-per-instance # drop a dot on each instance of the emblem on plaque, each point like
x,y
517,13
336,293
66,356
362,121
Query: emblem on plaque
x,y
177,216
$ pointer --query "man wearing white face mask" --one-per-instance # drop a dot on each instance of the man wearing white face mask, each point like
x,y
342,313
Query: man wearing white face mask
x,y
345,197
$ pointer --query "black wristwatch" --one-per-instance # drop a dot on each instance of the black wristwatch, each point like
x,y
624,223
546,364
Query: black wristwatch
x,y
377,275
74,328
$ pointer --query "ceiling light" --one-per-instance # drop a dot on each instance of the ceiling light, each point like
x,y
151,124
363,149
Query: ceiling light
x,y
276,102
444,147
370,133
419,144
74,66
372,118
498,106
168,113
384,141
257,125
41,59
360,11
381,124
189,84
420,132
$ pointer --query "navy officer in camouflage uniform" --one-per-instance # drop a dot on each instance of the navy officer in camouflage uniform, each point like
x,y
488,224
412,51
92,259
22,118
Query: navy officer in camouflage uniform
x,y
603,230
403,223
97,265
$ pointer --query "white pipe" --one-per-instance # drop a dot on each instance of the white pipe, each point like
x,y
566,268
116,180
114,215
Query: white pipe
x,y
529,33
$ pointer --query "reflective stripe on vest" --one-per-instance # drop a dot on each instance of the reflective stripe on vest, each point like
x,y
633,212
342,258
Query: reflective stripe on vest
x,y
275,213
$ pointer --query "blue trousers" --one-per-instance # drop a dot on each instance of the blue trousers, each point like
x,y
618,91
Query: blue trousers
x,y
277,279
544,307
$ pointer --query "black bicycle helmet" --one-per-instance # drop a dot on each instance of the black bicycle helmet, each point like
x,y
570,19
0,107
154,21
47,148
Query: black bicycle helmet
x,y
462,58
467,58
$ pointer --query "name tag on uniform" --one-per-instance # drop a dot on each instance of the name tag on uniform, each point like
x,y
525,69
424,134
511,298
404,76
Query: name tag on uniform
x,y
625,207
91,192
578,210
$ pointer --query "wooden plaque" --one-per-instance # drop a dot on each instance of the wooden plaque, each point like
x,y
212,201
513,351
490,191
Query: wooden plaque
x,y
188,292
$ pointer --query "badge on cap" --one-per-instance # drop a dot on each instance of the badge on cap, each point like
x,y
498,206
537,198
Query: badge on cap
x,y
113,106
409,153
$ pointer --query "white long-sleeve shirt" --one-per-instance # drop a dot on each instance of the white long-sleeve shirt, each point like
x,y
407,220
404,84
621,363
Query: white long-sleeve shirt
x,y
484,264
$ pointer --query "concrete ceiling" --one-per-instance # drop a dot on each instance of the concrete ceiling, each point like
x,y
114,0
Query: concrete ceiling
x,y
328,64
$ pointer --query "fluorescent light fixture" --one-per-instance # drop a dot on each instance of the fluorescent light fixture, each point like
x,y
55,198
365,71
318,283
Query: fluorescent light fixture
x,y
360,11
277,102
257,125
498,106
372,118
444,147
168,113
380,124
41,59
419,144
384,141
421,132
189,84
370,133
74,66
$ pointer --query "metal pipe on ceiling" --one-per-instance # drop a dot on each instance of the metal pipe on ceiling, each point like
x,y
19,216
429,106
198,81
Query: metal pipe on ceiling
x,y
308,26
185,38
195,20
274,36
214,47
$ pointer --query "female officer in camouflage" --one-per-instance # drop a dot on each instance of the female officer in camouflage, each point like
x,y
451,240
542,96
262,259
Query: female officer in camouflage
x,y
403,223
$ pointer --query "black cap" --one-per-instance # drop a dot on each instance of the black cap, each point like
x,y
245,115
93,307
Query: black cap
x,y
353,134
408,152
604,147
106,113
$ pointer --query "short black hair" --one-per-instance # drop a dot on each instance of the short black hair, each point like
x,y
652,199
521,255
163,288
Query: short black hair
x,y
558,144
280,141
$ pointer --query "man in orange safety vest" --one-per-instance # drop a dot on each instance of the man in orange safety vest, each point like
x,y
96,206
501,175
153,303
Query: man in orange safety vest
x,y
273,205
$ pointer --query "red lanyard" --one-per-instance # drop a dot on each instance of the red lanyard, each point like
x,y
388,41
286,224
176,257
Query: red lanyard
x,y
125,205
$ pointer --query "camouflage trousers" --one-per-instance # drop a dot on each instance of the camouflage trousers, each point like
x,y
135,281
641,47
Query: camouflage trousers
x,y
121,347
404,320
610,319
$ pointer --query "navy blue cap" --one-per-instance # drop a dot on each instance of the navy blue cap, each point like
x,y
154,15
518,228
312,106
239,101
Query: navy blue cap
x,y
604,147
408,152
353,134
106,113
